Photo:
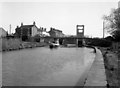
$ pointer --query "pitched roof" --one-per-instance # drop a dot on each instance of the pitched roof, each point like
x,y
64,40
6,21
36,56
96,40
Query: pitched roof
x,y
1,29
27,26
2,32
55,30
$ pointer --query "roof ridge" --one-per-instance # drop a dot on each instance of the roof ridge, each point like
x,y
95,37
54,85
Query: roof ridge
x,y
28,25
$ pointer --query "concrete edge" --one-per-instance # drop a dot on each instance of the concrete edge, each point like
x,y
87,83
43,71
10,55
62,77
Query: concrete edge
x,y
96,75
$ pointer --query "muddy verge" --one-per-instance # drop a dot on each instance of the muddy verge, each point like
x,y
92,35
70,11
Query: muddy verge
x,y
111,63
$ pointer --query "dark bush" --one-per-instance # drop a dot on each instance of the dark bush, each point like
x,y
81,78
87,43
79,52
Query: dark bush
x,y
100,42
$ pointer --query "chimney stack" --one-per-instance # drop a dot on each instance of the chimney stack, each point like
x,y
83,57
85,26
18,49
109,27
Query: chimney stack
x,y
34,23
21,24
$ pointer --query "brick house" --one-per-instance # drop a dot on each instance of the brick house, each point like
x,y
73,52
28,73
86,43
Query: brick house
x,y
55,33
25,32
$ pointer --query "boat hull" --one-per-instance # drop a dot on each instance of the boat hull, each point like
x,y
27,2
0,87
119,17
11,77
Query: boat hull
x,y
54,45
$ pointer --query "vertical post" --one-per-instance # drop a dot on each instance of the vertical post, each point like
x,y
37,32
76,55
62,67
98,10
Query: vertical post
x,y
103,29
10,29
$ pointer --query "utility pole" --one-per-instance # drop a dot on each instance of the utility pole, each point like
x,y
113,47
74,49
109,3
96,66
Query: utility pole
x,y
103,29
10,29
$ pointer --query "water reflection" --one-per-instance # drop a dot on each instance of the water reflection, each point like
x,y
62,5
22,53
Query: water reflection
x,y
43,66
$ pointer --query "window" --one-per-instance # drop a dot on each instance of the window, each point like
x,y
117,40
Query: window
x,y
80,31
80,27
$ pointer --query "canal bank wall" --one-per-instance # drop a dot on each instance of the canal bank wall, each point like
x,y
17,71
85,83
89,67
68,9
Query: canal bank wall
x,y
96,75
17,44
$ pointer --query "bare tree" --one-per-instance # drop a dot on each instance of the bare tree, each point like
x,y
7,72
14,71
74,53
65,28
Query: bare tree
x,y
113,23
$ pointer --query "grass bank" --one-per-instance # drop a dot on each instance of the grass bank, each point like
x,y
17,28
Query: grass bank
x,y
111,62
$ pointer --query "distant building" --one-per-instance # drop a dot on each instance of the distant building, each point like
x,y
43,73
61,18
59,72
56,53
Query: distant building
x,y
44,32
55,33
3,33
27,31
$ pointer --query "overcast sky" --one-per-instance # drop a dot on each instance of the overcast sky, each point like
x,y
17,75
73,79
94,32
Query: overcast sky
x,y
62,15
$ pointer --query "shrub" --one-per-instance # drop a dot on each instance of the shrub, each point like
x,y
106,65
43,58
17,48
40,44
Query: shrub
x,y
100,42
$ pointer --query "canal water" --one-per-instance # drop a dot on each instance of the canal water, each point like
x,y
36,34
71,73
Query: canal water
x,y
46,67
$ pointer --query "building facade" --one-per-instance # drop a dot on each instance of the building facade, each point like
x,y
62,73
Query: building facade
x,y
3,33
55,33
27,31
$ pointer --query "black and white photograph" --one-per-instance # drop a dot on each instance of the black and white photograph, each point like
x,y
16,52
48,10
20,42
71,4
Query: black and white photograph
x,y
60,43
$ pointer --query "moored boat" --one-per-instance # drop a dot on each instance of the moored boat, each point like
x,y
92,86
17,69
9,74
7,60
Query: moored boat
x,y
54,45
